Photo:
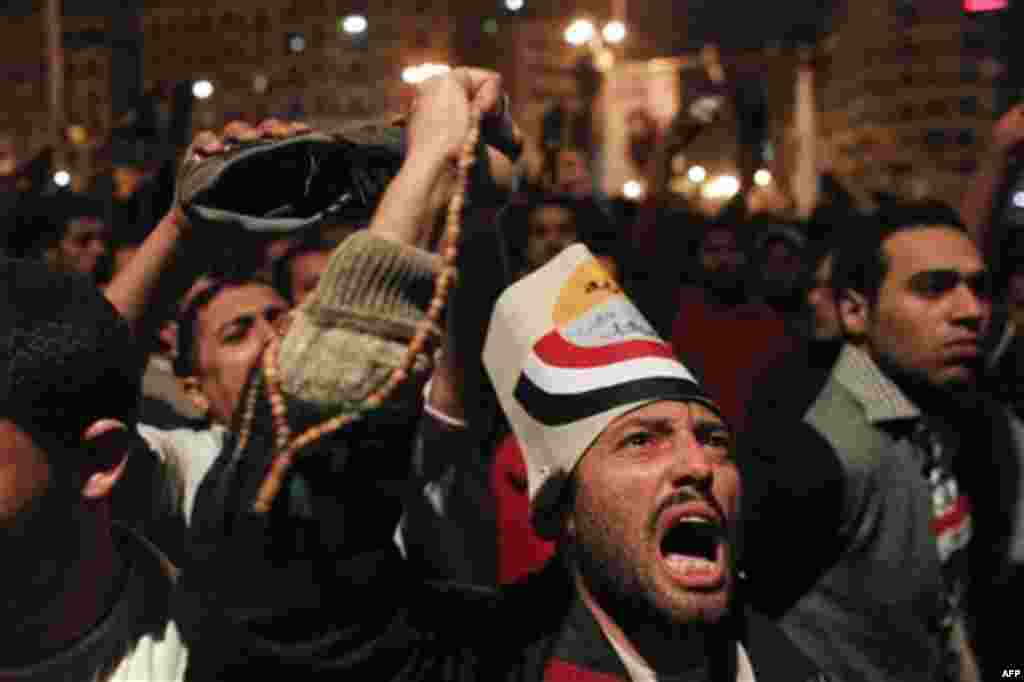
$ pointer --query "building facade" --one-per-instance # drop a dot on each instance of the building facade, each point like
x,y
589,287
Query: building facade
x,y
908,96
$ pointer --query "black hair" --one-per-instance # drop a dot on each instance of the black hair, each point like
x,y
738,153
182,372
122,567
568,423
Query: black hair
x,y
860,262
69,358
281,276
44,222
516,221
184,363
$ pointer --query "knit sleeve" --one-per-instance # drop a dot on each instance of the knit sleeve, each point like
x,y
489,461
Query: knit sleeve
x,y
353,331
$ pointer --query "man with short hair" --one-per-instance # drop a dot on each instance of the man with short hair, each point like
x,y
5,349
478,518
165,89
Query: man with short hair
x,y
728,339
68,232
897,473
298,271
630,469
82,598
222,331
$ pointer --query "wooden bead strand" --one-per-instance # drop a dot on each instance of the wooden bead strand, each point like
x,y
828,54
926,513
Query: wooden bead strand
x,y
286,448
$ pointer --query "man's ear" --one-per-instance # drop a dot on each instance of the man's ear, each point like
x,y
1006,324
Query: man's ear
x,y
50,255
107,444
195,394
853,312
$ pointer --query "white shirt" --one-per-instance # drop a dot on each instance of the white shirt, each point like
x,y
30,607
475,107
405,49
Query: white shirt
x,y
187,455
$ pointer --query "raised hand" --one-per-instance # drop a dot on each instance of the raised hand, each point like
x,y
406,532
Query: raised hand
x,y
1008,131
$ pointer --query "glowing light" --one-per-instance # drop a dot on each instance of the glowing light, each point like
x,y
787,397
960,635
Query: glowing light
x,y
296,42
78,134
202,89
633,189
514,5
722,187
984,5
354,24
414,75
697,174
579,32
614,32
62,178
1018,199
763,178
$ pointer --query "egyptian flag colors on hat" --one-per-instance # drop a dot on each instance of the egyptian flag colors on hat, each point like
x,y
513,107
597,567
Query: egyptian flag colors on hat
x,y
568,353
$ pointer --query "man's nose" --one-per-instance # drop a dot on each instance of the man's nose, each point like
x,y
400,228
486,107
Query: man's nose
x,y
691,463
969,308
264,328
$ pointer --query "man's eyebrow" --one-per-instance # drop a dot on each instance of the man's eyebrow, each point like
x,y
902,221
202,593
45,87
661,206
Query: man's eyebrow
x,y
702,423
711,424
965,275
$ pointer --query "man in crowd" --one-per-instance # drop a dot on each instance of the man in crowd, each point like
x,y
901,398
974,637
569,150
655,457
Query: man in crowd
x,y
728,339
83,598
298,271
804,371
68,232
897,473
635,478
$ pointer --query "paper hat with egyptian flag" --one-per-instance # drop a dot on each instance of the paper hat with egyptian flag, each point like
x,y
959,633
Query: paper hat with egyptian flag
x,y
567,353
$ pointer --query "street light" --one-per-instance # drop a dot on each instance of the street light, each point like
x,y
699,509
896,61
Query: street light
x,y
354,24
514,5
722,187
202,89
580,32
296,42
633,190
614,32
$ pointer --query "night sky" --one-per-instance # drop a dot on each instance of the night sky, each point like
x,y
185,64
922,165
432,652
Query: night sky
x,y
743,23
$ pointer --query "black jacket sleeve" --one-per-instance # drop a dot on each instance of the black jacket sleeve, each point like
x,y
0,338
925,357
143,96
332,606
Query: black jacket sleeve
x,y
316,586
793,491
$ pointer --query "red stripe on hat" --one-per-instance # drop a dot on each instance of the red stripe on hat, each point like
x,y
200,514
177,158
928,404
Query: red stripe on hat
x,y
953,517
556,351
558,670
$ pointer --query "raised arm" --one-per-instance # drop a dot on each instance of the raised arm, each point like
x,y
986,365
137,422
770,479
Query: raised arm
x,y
978,206
290,590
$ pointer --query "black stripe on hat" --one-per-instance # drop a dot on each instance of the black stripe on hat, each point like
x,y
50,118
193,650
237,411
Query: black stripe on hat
x,y
559,409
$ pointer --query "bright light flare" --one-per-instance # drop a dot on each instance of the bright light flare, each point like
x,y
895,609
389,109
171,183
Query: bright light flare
x,y
697,174
633,189
62,178
614,32
514,5
580,32
763,178
202,89
722,187
414,75
354,24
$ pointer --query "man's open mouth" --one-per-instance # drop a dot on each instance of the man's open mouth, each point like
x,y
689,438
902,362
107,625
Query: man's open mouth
x,y
692,548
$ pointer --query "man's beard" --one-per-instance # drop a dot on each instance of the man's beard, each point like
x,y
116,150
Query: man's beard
x,y
624,588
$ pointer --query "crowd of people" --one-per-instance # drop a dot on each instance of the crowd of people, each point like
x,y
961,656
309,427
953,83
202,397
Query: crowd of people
x,y
605,442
